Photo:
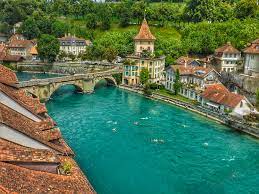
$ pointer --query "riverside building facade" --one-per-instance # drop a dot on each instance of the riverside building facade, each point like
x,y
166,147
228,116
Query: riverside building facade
x,y
251,63
143,57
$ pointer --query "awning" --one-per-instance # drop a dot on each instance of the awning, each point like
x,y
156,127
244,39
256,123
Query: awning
x,y
213,105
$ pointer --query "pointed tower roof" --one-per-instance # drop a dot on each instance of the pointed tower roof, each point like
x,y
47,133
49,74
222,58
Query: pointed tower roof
x,y
144,32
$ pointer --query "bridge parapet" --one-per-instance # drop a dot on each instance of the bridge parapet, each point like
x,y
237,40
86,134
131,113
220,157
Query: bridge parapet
x,y
44,88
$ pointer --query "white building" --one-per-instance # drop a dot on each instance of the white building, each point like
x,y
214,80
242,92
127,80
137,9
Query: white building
x,y
218,98
251,66
74,45
193,79
227,58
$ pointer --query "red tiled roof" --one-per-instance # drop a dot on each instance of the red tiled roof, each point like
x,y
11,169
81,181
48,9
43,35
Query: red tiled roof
x,y
182,60
30,128
253,48
198,71
219,94
11,152
144,32
20,44
7,76
23,180
2,48
227,48
22,98
69,38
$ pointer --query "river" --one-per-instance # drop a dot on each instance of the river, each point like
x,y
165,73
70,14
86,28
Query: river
x,y
126,144
25,76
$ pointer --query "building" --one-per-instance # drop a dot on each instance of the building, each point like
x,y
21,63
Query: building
x,y
227,58
18,45
143,57
3,38
33,154
251,66
193,79
7,58
218,98
74,45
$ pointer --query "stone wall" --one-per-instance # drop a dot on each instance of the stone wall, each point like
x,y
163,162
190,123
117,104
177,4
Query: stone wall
x,y
245,85
65,67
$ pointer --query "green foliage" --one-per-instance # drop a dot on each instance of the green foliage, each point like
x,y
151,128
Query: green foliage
x,y
246,8
66,167
30,28
144,76
257,99
110,54
48,47
204,38
59,29
118,78
177,83
147,91
91,21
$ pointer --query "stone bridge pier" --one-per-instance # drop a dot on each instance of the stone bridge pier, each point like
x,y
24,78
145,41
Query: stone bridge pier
x,y
44,88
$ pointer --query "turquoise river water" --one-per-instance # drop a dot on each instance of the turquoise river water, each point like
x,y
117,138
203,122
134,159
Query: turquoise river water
x,y
126,144
25,76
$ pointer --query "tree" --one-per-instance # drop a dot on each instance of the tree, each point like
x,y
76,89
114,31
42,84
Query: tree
x,y
257,99
30,28
110,54
246,8
105,16
144,76
91,21
200,10
58,29
177,84
48,47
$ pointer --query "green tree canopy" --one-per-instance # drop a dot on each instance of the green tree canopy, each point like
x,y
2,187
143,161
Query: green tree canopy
x,y
144,76
48,47
246,8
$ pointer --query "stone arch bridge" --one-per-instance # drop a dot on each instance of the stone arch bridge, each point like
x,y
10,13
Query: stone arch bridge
x,y
44,88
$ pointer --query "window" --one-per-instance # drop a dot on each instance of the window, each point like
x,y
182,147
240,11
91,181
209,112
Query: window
x,y
142,62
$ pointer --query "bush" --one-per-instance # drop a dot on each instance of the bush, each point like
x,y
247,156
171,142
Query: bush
x,y
147,91
66,167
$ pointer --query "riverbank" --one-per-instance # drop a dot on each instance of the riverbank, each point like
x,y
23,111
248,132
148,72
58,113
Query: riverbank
x,y
222,119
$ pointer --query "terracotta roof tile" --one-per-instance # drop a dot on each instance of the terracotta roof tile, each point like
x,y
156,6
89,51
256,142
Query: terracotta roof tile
x,y
197,71
227,48
221,95
7,76
22,180
253,48
30,128
11,152
144,32
24,99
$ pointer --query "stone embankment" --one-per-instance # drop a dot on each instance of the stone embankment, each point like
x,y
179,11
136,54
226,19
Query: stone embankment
x,y
65,67
220,118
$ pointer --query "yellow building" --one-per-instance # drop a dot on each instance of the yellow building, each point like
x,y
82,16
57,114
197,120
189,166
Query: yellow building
x,y
143,57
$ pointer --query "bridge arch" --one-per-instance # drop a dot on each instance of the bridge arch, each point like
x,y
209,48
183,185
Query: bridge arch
x,y
110,80
54,87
